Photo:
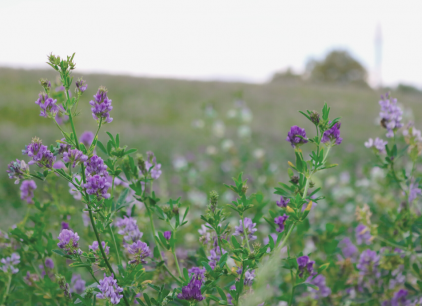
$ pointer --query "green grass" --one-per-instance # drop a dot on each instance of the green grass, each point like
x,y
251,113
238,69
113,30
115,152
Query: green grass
x,y
156,114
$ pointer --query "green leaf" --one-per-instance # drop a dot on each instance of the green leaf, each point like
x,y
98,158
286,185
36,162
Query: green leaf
x,y
101,147
308,285
147,300
222,294
79,264
130,151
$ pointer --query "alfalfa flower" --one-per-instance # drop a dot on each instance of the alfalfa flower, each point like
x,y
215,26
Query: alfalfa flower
x,y
95,165
129,229
305,266
249,227
110,290
74,156
27,191
68,241
48,106
152,162
81,85
95,247
283,202
332,135
378,145
391,115
296,136
17,170
139,251
9,263
192,291
280,221
97,185
101,106
39,153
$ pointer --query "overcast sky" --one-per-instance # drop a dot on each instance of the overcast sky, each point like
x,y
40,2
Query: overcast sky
x,y
217,39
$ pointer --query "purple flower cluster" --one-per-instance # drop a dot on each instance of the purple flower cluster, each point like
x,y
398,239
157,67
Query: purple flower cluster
x,y
17,170
9,263
49,264
378,144
152,162
95,165
249,227
129,228
390,114
101,106
86,138
68,241
215,256
198,273
368,263
48,105
27,191
293,136
280,221
305,266
332,135
64,146
249,277
140,250
348,249
74,156
110,290
414,191
81,85
95,247
167,235
399,299
77,284
283,202
363,234
39,153
319,281
192,291
97,185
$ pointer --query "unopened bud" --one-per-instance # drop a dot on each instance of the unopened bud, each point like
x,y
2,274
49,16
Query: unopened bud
x,y
244,188
45,84
311,184
294,179
314,117
141,163
213,197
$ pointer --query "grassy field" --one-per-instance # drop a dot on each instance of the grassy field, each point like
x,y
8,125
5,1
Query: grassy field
x,y
157,115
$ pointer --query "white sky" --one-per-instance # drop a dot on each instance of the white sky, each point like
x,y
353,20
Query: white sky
x,y
217,39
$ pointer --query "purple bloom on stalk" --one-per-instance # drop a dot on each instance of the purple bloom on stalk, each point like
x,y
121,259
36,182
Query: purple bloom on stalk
x,y
293,136
249,227
77,284
27,191
9,263
414,191
48,105
17,170
94,247
192,291
167,235
68,241
110,290
81,85
332,135
198,273
267,240
95,165
152,162
64,146
249,277
378,144
61,116
390,114
368,263
280,221
305,265
74,156
399,298
86,138
101,106
97,185
215,256
59,165
319,281
140,250
348,249
363,235
283,202
39,153
129,228
65,225
49,263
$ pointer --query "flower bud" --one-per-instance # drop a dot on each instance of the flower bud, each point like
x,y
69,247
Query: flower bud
x,y
294,179
311,184
244,188
314,117
141,163
45,84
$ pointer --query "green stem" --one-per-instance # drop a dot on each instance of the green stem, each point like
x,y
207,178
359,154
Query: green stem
x,y
293,289
326,154
7,289
92,274
244,232
115,245
175,257
283,243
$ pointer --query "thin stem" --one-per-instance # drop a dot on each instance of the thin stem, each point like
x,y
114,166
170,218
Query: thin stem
x,y
244,232
293,289
103,253
7,289
326,154
283,243
175,257
115,245
92,274
305,191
